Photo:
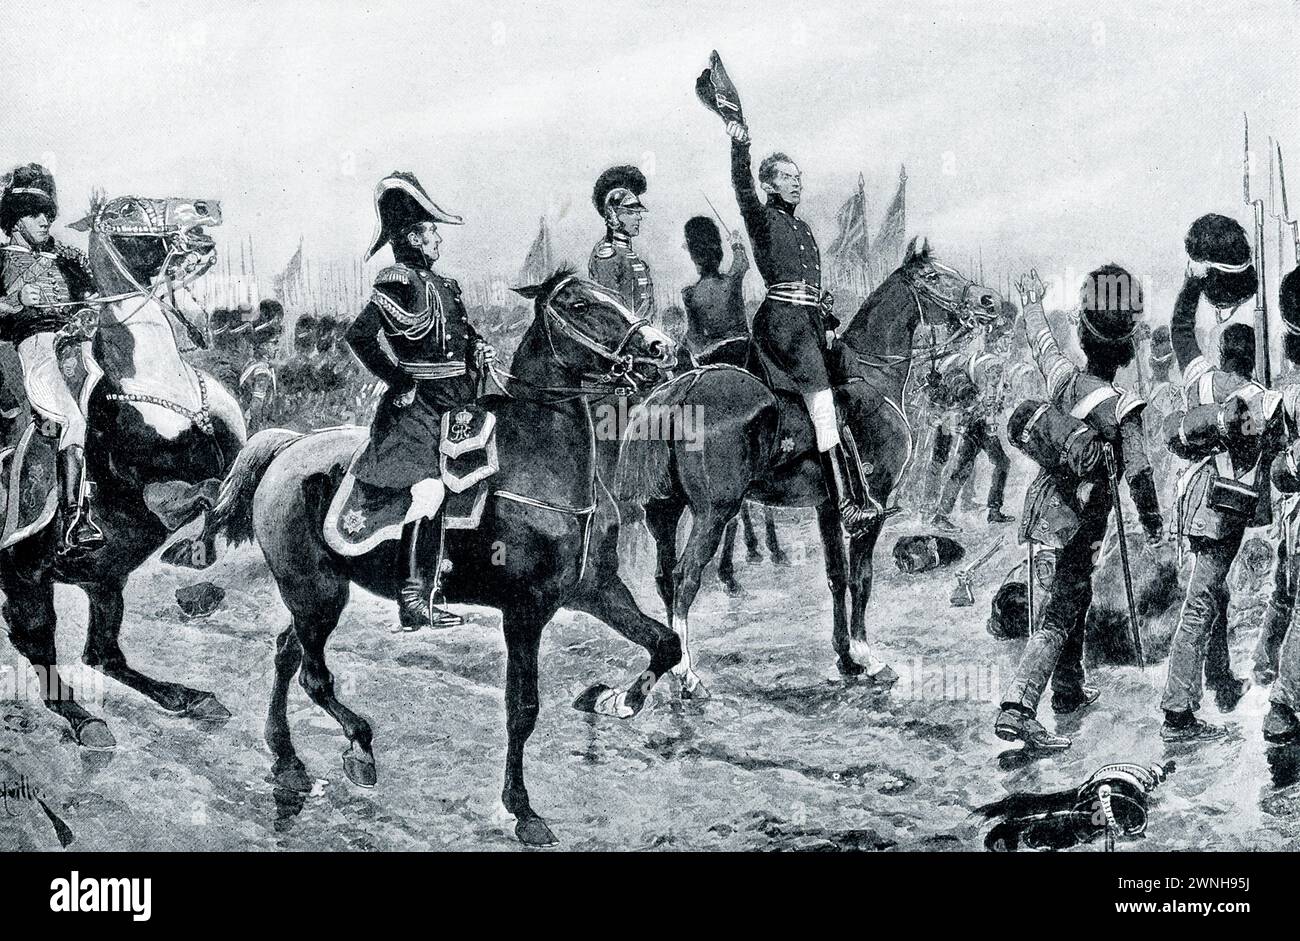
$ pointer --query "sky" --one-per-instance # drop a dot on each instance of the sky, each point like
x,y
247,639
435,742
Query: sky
x,y
1054,134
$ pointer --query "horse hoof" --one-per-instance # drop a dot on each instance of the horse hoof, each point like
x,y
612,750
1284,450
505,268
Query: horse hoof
x,y
848,667
359,766
533,831
206,708
604,701
884,676
731,586
94,734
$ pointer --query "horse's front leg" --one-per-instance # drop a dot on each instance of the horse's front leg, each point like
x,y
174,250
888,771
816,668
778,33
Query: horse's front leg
x,y
837,577
103,651
30,616
609,599
862,549
523,633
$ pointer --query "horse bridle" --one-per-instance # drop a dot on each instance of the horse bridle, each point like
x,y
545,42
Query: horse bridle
x,y
177,244
620,379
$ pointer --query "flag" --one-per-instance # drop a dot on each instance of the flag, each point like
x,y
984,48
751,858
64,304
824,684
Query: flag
x,y
540,262
887,252
848,253
287,279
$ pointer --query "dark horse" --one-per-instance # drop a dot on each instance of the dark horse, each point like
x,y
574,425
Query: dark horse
x,y
738,454
161,435
548,537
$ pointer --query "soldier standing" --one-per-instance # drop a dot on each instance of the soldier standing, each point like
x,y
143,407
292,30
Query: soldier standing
x,y
1223,493
1282,724
435,359
976,389
614,263
1111,303
41,281
716,328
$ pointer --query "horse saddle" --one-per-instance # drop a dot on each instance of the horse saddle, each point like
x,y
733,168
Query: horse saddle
x,y
361,516
28,485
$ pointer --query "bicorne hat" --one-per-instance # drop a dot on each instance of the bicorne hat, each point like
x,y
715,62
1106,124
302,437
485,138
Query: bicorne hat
x,y
400,201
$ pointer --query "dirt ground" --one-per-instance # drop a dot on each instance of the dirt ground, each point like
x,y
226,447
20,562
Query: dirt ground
x,y
787,755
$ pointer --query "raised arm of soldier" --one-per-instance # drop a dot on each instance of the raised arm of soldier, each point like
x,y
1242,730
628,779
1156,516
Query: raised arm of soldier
x,y
1056,367
742,181
1182,329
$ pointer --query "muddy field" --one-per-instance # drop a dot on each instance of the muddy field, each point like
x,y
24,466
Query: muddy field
x,y
786,756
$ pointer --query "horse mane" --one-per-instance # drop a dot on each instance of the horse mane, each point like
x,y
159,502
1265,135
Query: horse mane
x,y
535,292
861,320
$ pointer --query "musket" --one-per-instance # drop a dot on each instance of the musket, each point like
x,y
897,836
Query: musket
x,y
1029,586
962,596
1264,350
1109,453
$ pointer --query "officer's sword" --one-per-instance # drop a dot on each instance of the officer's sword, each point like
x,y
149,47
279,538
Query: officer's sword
x,y
1109,453
727,230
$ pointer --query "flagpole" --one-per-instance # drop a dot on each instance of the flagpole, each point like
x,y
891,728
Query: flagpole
x,y
866,255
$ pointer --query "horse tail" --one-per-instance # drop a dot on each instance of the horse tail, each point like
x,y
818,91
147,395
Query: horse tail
x,y
645,460
232,515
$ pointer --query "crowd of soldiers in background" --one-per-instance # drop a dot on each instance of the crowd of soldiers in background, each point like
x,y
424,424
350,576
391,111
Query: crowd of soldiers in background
x,y
293,369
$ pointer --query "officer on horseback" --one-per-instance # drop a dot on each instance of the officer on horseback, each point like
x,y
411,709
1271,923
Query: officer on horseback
x,y
614,263
414,335
794,326
42,281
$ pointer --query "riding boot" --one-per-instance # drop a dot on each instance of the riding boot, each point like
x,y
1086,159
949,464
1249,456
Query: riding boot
x,y
415,597
80,533
847,488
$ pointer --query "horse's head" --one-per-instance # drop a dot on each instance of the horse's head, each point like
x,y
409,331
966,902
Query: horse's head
x,y
592,333
944,295
135,241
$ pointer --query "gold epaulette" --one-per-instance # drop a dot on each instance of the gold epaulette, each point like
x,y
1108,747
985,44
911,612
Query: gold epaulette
x,y
396,274
605,250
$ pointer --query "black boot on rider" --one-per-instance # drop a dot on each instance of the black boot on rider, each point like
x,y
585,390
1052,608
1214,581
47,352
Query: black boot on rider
x,y
415,598
80,533
848,490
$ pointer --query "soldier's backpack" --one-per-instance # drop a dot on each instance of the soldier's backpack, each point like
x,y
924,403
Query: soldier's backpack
x,y
1056,441
1068,450
1208,433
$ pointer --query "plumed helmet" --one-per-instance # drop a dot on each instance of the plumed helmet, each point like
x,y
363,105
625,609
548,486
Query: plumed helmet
x,y
27,191
620,186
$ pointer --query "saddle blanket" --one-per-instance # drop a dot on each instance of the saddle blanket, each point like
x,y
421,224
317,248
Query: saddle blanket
x,y
28,484
362,516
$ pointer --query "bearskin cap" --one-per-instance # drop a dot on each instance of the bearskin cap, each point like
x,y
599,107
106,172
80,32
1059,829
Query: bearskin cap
x,y
1221,245
624,177
1218,240
1290,302
1110,302
27,191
